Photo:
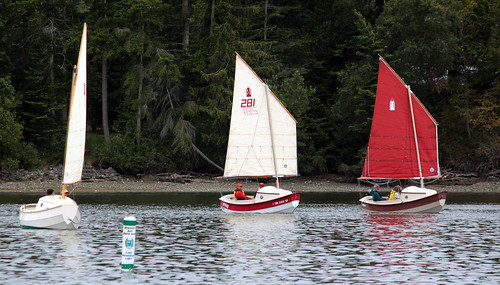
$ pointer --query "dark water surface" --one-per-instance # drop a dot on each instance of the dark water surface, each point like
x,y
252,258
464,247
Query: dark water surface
x,y
184,238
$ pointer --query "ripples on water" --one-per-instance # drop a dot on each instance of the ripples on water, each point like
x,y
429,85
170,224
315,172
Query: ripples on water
x,y
182,243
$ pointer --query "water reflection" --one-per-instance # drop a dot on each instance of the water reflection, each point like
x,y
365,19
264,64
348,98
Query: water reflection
x,y
387,229
71,256
43,253
196,243
257,230
398,242
59,249
263,236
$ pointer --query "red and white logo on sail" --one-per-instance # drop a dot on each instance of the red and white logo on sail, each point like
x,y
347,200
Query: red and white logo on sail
x,y
248,103
392,105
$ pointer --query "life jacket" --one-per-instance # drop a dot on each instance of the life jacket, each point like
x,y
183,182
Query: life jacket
x,y
391,197
234,193
395,195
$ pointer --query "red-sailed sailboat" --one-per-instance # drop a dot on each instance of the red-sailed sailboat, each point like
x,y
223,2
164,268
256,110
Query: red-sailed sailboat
x,y
403,144
262,143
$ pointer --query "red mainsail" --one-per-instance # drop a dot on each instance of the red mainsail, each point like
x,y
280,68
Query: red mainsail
x,y
392,147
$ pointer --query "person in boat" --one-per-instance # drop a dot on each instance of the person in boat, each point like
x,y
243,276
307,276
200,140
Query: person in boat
x,y
50,192
395,193
239,194
376,196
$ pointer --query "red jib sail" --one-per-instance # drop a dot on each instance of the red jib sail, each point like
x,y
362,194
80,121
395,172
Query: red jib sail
x,y
392,147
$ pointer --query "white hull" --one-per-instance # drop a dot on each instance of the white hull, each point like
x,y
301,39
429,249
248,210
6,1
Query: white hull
x,y
413,200
51,212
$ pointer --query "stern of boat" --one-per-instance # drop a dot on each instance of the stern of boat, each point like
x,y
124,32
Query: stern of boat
x,y
51,213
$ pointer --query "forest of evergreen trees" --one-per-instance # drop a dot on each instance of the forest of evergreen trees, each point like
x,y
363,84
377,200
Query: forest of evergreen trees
x,y
160,77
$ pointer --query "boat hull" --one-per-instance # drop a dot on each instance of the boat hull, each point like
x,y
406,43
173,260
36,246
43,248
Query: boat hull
x,y
267,200
61,214
413,200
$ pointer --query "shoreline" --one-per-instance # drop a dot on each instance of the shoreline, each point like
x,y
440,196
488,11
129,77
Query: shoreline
x,y
304,184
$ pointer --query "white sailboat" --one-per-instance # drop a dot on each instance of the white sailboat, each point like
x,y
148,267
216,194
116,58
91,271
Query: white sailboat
x,y
262,143
59,211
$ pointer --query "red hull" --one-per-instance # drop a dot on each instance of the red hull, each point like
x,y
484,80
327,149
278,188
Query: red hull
x,y
408,206
281,202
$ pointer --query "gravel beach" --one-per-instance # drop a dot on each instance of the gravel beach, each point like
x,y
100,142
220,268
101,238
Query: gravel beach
x,y
301,184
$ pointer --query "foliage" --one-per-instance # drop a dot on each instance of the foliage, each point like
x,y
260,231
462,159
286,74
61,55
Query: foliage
x,y
13,151
170,76
356,95
421,58
472,113
296,97
126,157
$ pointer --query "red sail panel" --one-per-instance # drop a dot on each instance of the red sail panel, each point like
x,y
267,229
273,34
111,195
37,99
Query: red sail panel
x,y
391,149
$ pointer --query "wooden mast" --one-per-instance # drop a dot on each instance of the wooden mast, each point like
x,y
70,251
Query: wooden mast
x,y
416,140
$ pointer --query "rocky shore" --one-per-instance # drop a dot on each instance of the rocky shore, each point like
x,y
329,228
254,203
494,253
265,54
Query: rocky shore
x,y
191,183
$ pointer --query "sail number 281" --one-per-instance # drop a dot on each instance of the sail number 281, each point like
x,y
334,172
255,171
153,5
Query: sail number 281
x,y
248,107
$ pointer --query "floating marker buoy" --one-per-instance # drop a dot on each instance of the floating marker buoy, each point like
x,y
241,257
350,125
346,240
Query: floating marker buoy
x,y
128,244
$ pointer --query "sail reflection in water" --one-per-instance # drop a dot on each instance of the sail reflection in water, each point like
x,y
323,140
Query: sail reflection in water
x,y
271,236
196,243
400,241
399,228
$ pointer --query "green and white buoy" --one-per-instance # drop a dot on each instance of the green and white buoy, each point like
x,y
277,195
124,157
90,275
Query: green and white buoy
x,y
128,245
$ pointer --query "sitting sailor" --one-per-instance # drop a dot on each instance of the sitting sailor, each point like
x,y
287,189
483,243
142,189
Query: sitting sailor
x,y
376,196
395,193
239,194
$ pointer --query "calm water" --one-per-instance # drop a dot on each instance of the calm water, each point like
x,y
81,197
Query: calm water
x,y
187,239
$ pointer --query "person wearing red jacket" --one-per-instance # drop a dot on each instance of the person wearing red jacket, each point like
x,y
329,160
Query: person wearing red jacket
x,y
239,194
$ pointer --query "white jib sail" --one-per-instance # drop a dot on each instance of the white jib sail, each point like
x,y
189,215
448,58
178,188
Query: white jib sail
x,y
75,142
250,149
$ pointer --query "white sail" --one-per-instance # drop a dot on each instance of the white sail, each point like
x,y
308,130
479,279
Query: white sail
x,y
75,143
59,212
262,137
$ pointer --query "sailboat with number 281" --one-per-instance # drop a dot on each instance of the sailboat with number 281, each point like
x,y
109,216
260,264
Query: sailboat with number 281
x,y
262,144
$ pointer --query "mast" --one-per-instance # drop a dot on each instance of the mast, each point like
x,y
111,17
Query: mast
x,y
416,140
272,139
75,74
75,135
